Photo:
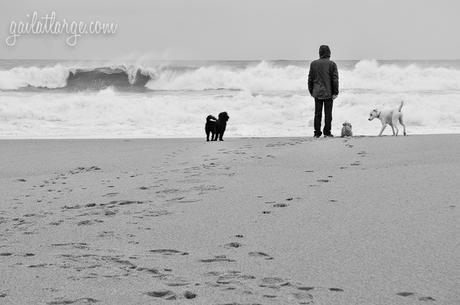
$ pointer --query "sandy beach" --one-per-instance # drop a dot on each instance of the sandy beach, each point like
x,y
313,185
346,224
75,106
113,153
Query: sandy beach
x,y
364,220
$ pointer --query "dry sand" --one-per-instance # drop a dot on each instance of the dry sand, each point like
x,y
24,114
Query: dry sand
x,y
246,221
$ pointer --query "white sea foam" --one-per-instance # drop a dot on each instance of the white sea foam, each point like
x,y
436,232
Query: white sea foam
x,y
111,114
369,75
366,75
46,77
271,101
264,76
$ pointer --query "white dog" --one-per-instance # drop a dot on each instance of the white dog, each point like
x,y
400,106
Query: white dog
x,y
346,130
389,117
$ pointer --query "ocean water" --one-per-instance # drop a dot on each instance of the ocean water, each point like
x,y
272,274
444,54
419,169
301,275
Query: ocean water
x,y
97,99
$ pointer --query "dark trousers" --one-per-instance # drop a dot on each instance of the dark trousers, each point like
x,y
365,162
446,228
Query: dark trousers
x,y
327,116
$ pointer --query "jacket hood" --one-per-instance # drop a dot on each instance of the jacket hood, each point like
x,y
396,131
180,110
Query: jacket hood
x,y
324,52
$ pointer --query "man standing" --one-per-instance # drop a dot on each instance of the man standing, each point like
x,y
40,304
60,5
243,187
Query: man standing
x,y
323,84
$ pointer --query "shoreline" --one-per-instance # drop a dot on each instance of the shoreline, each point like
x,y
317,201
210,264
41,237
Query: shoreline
x,y
226,137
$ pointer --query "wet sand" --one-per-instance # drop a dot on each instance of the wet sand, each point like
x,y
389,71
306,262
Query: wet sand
x,y
363,220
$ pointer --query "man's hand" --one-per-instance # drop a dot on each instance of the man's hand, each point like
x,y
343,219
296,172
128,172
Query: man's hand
x,y
334,97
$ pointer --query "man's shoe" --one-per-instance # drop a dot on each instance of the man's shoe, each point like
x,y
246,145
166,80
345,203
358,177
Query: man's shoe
x,y
328,136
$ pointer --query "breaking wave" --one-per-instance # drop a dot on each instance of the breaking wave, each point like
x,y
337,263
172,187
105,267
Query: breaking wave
x,y
262,98
254,77
74,78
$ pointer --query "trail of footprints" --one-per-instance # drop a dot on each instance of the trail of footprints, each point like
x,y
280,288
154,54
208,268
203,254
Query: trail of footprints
x,y
87,265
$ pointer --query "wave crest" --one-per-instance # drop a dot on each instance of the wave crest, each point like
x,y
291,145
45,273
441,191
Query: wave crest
x,y
75,78
254,77
370,75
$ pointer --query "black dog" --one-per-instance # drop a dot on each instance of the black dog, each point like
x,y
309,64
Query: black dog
x,y
210,127
216,127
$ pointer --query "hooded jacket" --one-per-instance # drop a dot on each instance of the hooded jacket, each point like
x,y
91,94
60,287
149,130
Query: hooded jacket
x,y
323,77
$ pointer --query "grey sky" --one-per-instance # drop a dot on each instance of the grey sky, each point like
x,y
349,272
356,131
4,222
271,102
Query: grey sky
x,y
245,29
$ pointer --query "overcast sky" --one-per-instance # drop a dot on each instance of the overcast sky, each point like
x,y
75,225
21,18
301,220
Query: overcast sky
x,y
244,29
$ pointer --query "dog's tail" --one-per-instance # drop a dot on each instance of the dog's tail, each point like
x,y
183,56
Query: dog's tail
x,y
400,106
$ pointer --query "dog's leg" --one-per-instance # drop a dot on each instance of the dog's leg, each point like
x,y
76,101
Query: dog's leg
x,y
396,127
383,128
402,123
393,129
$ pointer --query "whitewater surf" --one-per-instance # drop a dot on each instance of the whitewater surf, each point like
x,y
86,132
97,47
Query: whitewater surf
x,y
66,99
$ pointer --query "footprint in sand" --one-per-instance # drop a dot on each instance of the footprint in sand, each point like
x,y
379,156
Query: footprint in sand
x,y
71,207
126,202
260,255
73,245
413,294
323,180
303,297
76,301
81,169
233,245
305,288
229,277
217,259
266,212
110,194
168,252
37,266
426,299
164,294
189,294
170,295
405,294
89,222
273,282
356,163
149,270
280,205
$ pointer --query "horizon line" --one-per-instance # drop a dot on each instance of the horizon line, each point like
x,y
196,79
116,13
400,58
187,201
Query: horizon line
x,y
260,59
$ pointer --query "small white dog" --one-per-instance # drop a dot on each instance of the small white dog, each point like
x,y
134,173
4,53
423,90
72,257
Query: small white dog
x,y
389,117
346,129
